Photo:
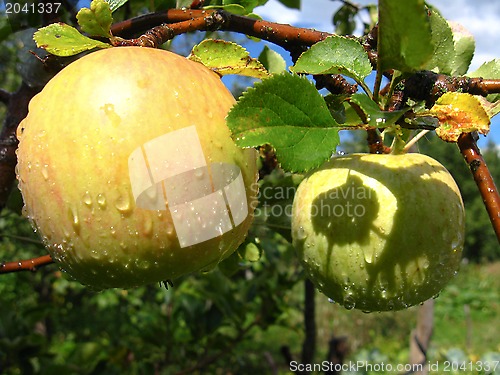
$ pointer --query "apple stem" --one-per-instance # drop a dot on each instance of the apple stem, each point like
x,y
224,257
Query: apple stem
x,y
414,140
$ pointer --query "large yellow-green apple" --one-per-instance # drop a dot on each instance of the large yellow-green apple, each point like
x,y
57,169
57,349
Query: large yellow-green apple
x,y
379,232
115,156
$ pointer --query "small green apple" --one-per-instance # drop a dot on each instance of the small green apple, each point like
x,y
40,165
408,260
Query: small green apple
x,y
379,232
128,171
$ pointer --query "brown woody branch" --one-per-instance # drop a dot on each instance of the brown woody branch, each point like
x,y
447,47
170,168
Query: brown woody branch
x,y
483,178
17,109
25,265
283,35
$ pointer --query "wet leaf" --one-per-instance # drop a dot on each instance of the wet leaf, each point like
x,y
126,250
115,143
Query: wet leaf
x,y
464,49
404,35
115,4
287,112
63,40
459,113
335,55
374,115
97,20
442,39
227,58
272,61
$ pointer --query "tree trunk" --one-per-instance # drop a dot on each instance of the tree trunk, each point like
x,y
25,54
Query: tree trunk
x,y
421,337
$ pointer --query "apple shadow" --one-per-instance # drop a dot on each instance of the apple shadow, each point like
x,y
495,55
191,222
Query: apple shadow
x,y
347,212
397,262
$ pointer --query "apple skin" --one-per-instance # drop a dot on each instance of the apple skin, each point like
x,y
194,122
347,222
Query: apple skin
x,y
379,232
73,167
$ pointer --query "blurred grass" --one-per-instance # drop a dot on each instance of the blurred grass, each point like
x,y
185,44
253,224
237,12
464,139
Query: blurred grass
x,y
466,321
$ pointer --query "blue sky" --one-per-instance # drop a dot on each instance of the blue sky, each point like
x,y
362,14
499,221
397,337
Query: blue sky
x,y
480,17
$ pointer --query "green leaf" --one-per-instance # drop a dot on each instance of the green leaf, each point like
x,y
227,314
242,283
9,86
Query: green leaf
x,y
374,115
464,49
489,70
442,38
287,112
459,113
63,40
335,55
183,3
249,5
343,112
291,3
404,35
272,61
344,21
97,20
231,8
250,252
115,4
227,58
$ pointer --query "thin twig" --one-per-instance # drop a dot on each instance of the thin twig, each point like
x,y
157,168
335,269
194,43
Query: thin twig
x,y
483,178
25,265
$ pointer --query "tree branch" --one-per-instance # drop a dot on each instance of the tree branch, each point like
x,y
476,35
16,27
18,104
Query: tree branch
x,y
5,96
286,36
483,178
17,109
25,265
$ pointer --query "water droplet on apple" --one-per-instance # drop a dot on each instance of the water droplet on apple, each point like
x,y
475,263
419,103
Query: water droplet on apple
x,y
198,173
349,302
368,254
390,305
147,228
101,201
123,205
75,221
45,172
87,199
301,233
170,229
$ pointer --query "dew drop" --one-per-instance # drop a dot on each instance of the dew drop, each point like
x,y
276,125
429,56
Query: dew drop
x,y
390,305
75,220
368,254
301,233
123,205
147,229
87,199
45,172
101,200
198,173
349,302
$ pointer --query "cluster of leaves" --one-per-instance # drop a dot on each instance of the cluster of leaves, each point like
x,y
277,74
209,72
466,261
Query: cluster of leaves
x,y
60,326
410,38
